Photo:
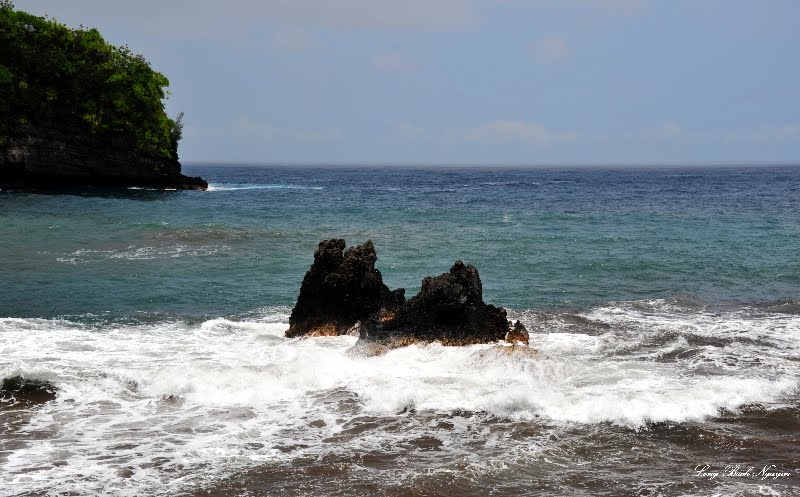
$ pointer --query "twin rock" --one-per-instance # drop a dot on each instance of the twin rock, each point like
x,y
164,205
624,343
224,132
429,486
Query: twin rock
x,y
343,294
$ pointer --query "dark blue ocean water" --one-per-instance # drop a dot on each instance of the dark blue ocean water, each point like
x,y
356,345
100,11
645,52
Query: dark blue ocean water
x,y
540,237
663,305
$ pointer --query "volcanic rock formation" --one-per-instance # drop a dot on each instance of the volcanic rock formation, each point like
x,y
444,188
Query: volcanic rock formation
x,y
341,290
343,293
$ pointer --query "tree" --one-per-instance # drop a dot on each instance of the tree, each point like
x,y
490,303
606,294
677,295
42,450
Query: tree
x,y
51,76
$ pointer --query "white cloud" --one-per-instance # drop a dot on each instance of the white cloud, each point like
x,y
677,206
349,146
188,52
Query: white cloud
x,y
550,50
667,131
759,135
791,131
252,130
376,14
670,129
611,6
673,132
204,19
287,41
392,62
407,131
503,132
622,6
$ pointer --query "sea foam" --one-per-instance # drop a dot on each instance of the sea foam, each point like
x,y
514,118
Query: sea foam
x,y
163,404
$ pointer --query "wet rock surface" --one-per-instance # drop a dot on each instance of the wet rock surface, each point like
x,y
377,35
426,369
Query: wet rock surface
x,y
27,390
518,334
449,308
340,291
343,293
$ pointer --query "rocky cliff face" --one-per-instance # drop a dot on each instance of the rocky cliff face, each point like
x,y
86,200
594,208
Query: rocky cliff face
x,y
46,157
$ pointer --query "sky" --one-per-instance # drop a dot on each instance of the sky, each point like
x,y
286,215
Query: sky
x,y
488,82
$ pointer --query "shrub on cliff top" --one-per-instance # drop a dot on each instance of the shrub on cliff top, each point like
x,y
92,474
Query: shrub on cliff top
x,y
51,75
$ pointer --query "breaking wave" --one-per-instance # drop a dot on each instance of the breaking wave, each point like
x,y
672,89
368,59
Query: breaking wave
x,y
155,408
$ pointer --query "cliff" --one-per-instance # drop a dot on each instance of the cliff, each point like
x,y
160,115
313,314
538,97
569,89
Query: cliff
x,y
50,157
77,111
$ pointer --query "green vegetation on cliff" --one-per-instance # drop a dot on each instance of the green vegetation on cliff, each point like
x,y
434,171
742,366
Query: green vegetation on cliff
x,y
51,75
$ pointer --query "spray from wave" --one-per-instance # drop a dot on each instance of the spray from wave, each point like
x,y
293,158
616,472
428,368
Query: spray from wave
x,y
156,408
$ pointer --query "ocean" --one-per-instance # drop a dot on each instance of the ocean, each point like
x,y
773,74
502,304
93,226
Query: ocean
x,y
663,305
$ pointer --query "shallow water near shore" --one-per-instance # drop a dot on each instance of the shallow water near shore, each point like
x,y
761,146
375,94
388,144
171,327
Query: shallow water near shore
x,y
664,307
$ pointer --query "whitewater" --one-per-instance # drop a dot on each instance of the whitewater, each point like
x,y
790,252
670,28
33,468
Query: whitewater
x,y
164,408
663,306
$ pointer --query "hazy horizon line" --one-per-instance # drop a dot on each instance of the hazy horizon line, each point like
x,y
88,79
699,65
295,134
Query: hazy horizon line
x,y
367,164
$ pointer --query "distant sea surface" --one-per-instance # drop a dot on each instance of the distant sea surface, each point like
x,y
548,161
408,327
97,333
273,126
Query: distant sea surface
x,y
664,303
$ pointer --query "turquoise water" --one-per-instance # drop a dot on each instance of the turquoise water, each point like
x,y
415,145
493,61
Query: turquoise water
x,y
540,237
663,305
